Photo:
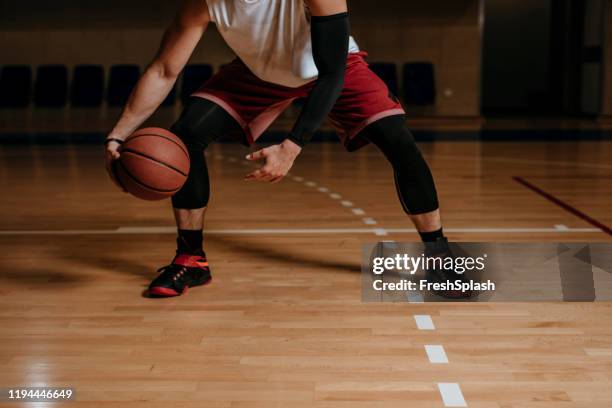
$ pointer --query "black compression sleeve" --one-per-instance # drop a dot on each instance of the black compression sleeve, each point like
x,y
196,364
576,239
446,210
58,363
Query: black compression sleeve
x,y
330,38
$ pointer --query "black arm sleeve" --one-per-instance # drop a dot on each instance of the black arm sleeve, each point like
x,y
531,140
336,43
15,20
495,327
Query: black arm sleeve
x,y
330,38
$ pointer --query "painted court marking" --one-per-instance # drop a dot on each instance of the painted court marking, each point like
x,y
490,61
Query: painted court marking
x,y
281,231
451,395
436,354
415,298
567,207
424,322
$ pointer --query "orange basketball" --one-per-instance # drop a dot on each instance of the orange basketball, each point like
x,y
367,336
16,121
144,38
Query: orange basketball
x,y
153,165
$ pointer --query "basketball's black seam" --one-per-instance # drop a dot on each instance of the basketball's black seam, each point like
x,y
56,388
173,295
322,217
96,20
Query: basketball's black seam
x,y
163,137
153,159
157,190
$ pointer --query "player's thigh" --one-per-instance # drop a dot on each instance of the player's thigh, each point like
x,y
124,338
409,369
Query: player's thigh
x,y
202,122
364,100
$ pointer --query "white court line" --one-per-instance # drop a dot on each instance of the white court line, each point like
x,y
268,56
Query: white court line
x,y
451,395
323,189
358,211
415,298
424,322
335,196
346,203
310,184
369,221
561,227
436,354
276,231
298,179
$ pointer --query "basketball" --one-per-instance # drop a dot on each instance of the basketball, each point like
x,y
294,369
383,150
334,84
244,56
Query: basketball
x,y
154,164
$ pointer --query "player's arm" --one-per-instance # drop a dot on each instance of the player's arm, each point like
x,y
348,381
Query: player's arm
x,y
329,28
178,43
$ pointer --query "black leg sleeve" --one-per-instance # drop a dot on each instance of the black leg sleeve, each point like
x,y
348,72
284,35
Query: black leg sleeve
x,y
201,123
413,179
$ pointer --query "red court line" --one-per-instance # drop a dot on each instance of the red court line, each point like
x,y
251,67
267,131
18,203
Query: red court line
x,y
564,205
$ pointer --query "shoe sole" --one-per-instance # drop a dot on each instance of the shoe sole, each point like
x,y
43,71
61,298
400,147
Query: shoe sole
x,y
160,291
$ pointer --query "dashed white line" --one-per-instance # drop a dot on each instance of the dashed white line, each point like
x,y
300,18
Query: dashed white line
x,y
346,203
415,298
424,322
335,196
436,354
323,189
358,211
380,232
451,395
298,179
310,184
369,221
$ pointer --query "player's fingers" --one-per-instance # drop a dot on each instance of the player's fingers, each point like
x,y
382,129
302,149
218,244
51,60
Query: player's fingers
x,y
254,175
277,179
258,155
266,177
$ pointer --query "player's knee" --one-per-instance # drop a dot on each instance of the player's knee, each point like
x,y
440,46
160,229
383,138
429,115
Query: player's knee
x,y
186,130
398,145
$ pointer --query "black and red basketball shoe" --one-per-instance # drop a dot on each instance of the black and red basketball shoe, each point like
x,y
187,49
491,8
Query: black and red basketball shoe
x,y
184,272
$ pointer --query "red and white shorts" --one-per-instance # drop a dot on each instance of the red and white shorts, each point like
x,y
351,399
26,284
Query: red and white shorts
x,y
255,103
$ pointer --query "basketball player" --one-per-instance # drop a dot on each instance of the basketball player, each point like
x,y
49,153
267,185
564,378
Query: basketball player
x,y
286,49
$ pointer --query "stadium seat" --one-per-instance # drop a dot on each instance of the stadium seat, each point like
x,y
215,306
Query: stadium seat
x,y
194,76
87,88
15,86
388,73
51,86
122,80
419,84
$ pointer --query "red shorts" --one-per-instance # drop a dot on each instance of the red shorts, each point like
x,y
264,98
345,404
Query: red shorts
x,y
255,103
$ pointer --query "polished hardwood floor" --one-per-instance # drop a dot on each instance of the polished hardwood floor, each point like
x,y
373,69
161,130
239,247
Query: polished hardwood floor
x,y
282,324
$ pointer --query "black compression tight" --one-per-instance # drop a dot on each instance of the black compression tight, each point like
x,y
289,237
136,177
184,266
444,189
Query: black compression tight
x,y
201,123
413,179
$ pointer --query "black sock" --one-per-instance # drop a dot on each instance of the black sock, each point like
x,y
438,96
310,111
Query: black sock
x,y
189,242
431,236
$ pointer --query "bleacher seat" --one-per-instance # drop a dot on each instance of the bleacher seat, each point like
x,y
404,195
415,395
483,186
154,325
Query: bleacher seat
x,y
122,79
194,76
419,84
51,86
15,86
387,71
87,88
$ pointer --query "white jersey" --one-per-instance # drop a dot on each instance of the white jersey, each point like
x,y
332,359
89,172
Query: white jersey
x,y
271,37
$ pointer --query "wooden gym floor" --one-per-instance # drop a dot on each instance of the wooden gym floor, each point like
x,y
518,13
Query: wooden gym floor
x,y
282,324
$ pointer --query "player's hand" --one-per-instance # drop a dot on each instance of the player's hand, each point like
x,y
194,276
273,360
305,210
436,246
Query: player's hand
x,y
113,153
278,161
